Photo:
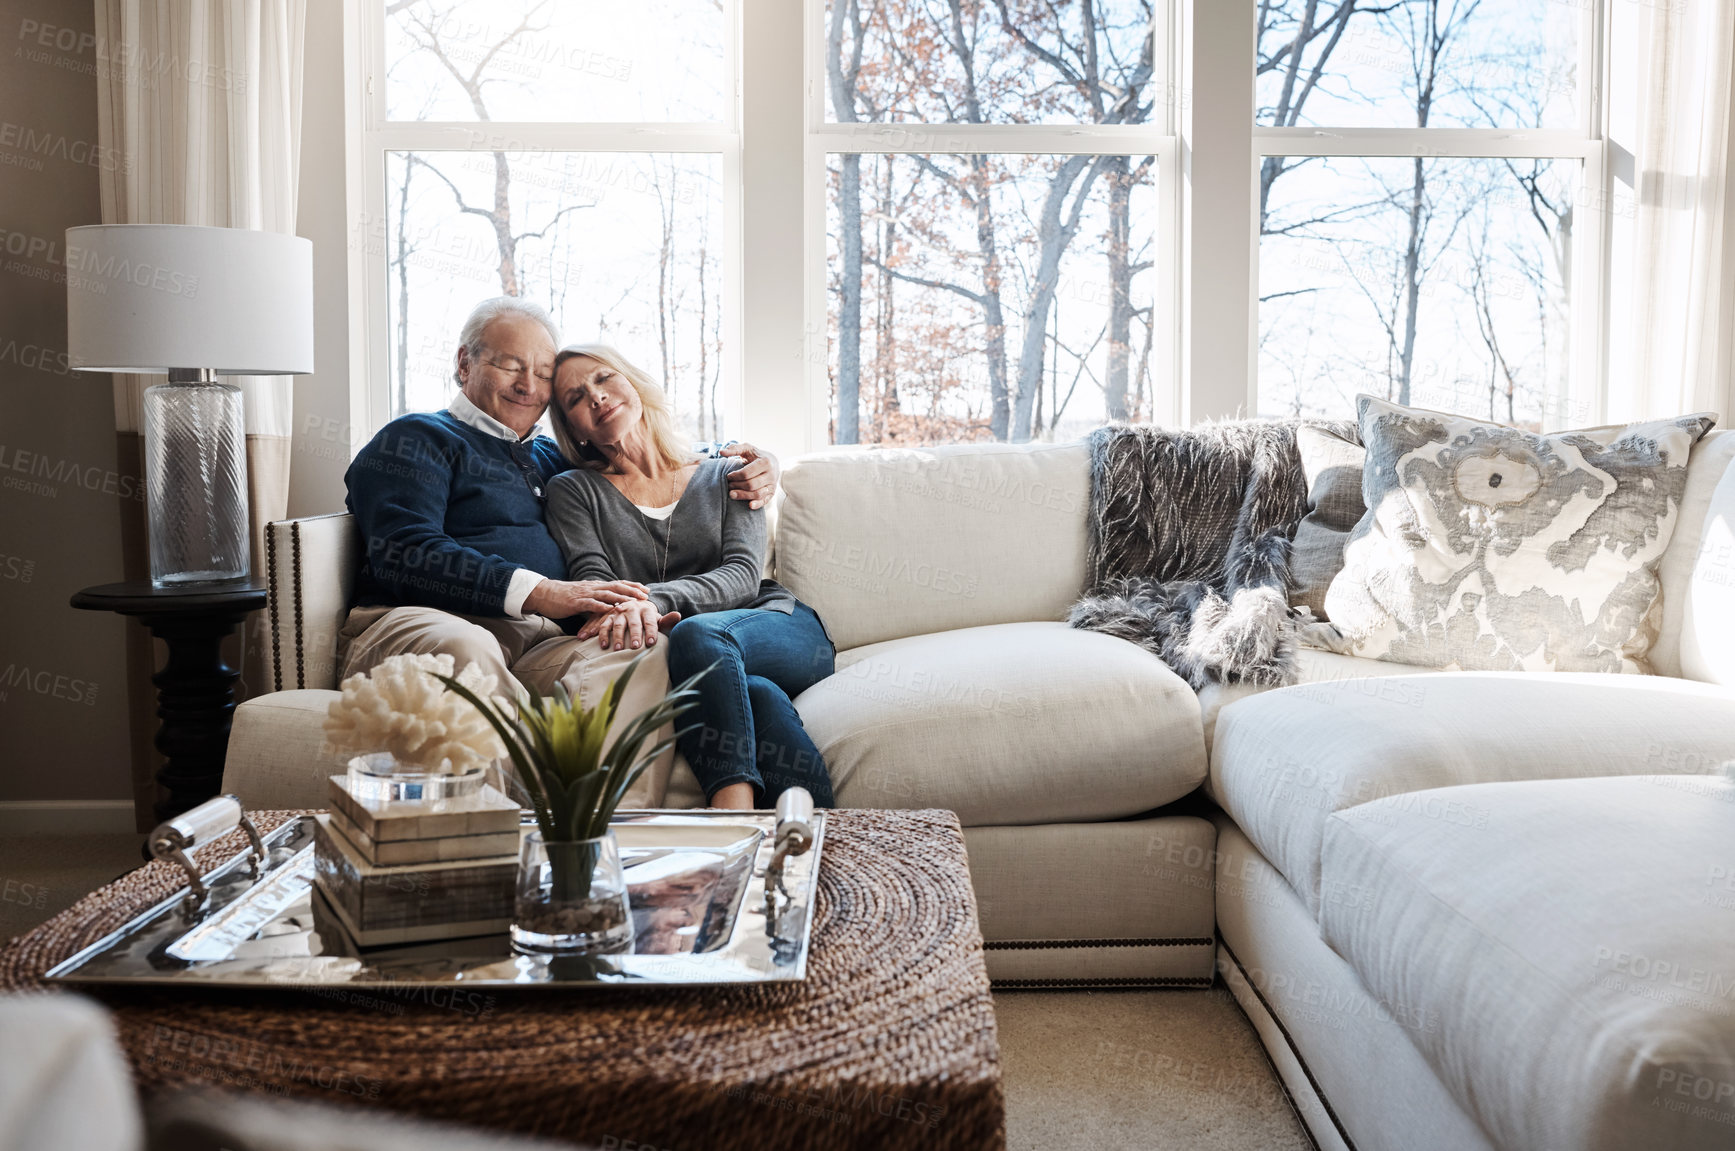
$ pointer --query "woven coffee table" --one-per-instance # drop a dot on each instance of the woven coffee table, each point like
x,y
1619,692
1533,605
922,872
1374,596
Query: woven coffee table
x,y
889,1042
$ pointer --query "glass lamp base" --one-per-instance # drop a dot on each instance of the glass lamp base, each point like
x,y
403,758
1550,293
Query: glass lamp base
x,y
196,482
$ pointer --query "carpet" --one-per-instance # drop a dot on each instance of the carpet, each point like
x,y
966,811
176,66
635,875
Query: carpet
x,y
1138,1069
43,875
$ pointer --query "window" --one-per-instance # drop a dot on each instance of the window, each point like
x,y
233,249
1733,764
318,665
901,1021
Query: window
x,y
576,153
992,219
998,256
1428,178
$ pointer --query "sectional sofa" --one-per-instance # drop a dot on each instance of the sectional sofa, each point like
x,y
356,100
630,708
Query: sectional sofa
x,y
1463,910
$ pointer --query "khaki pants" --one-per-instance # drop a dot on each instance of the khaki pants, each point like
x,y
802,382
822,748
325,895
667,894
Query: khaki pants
x,y
532,651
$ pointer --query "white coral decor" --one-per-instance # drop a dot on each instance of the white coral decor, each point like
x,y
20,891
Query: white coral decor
x,y
399,707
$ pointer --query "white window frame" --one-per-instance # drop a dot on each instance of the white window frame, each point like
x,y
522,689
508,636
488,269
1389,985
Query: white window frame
x,y
370,136
1586,401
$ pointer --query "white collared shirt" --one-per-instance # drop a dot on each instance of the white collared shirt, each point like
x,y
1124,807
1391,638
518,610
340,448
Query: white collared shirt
x,y
470,415
524,580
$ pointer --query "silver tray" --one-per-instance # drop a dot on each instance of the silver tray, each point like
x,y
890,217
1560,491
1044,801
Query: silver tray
x,y
696,881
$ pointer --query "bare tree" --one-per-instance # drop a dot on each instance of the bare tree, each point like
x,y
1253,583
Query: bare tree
x,y
423,27
1100,88
666,300
1122,177
707,397
1296,39
958,30
842,74
1116,97
1428,28
887,404
1428,31
400,259
1482,292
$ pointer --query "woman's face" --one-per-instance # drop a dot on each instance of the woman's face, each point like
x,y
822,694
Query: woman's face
x,y
600,405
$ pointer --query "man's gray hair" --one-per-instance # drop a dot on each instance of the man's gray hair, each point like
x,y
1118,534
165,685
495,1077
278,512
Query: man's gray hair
x,y
485,313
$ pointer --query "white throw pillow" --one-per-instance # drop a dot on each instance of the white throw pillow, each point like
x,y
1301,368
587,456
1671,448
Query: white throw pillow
x,y
1489,547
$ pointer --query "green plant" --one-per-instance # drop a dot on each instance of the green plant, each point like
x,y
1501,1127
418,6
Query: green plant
x,y
556,744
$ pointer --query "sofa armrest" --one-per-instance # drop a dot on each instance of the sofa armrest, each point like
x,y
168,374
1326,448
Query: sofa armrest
x,y
310,570
277,755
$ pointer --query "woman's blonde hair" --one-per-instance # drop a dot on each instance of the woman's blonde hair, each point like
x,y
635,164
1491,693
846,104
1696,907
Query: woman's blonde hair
x,y
658,416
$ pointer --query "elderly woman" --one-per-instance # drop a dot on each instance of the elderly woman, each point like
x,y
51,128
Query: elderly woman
x,y
640,506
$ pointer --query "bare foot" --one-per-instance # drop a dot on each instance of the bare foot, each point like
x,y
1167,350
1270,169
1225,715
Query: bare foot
x,y
734,797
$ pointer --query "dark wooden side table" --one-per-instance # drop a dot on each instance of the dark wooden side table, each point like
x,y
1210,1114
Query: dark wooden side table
x,y
195,688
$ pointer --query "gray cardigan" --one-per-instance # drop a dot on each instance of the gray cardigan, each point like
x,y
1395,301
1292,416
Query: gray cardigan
x,y
716,545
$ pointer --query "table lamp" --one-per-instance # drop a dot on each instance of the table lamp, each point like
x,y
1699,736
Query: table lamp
x,y
196,303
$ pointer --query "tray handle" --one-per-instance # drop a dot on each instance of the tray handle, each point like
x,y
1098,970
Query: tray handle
x,y
793,836
196,827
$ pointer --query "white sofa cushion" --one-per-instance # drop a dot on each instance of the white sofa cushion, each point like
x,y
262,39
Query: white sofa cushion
x,y
1313,665
1285,760
1577,949
1010,724
891,543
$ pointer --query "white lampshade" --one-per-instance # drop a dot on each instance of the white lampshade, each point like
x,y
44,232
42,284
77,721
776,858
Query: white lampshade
x,y
151,297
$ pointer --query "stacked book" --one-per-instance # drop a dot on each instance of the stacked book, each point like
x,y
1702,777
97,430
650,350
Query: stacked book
x,y
397,873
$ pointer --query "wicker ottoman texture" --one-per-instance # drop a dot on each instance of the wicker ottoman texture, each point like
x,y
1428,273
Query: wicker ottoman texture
x,y
890,1041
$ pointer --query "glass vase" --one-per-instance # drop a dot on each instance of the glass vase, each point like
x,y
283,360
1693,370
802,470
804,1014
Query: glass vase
x,y
572,898
196,481
380,778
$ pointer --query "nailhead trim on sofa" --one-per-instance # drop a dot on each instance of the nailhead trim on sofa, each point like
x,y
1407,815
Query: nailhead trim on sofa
x,y
1050,944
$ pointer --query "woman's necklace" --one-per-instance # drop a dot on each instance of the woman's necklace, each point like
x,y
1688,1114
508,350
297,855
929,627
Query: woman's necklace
x,y
668,528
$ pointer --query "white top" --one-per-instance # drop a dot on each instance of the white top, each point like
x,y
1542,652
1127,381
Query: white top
x,y
661,513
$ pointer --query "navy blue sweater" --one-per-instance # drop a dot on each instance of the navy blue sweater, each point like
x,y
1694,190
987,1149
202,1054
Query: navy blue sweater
x,y
448,513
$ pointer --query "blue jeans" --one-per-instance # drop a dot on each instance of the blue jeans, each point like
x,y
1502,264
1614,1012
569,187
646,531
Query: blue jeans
x,y
748,730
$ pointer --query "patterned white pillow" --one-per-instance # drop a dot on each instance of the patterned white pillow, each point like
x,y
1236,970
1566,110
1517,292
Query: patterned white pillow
x,y
1489,547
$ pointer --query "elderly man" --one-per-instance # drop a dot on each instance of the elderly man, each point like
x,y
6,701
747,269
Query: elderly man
x,y
450,507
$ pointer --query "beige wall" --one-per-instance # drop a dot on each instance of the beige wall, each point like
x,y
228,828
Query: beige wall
x,y
63,691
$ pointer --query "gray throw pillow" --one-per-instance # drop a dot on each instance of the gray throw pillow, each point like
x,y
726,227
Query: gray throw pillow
x,y
1331,458
1490,547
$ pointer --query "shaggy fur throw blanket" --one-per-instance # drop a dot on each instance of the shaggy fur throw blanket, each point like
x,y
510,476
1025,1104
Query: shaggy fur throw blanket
x,y
1189,546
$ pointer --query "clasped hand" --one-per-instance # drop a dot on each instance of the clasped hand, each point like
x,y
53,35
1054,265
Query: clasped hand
x,y
633,624
620,611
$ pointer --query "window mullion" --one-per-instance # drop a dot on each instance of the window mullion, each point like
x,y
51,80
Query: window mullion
x,y
403,135
1434,143
776,400
1219,248
1049,139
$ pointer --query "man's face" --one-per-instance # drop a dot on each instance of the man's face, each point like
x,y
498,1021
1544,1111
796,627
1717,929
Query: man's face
x,y
512,377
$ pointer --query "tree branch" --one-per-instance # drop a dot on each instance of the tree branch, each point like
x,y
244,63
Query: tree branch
x,y
974,297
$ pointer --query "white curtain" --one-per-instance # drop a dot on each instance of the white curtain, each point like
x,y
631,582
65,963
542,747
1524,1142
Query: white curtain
x,y
1683,241
200,102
